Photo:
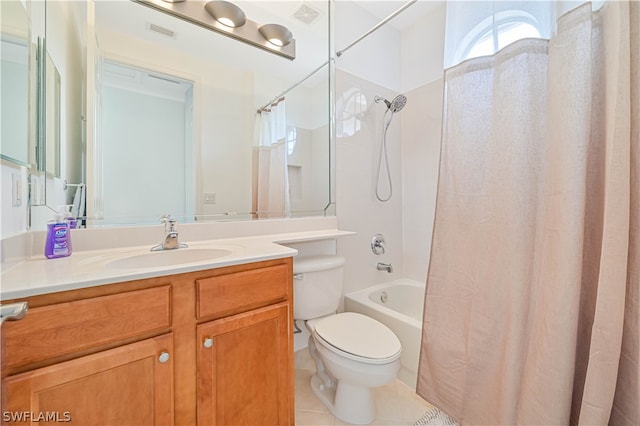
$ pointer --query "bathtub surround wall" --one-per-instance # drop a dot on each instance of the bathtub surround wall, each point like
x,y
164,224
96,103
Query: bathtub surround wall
x,y
370,68
388,62
422,79
358,209
420,158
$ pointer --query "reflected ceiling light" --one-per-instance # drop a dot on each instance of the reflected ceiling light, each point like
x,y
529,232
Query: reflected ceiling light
x,y
275,34
226,13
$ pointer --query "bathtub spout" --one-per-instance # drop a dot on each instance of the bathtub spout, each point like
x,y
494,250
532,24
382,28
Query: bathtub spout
x,y
385,267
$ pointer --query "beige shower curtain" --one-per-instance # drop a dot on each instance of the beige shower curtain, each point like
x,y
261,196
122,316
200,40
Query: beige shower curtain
x,y
532,304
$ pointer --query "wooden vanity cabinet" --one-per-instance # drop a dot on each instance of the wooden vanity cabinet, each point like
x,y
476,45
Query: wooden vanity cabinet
x,y
244,355
128,385
212,347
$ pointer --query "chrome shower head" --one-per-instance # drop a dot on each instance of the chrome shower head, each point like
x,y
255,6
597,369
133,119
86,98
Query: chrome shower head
x,y
398,103
395,105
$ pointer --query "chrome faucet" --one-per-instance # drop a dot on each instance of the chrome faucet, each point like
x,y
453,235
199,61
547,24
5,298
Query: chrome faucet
x,y
385,267
170,241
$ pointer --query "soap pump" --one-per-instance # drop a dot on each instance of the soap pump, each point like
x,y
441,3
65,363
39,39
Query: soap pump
x,y
73,222
58,243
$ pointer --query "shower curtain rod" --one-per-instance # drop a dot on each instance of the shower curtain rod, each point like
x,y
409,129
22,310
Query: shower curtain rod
x,y
263,107
340,52
380,24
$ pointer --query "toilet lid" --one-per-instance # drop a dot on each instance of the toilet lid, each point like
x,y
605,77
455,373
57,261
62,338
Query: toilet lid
x,y
359,335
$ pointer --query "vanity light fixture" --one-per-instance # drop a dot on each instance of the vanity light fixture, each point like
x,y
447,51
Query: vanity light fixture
x,y
226,13
275,34
228,19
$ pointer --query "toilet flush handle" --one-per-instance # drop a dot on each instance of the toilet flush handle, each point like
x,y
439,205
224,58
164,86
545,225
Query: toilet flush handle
x,y
298,276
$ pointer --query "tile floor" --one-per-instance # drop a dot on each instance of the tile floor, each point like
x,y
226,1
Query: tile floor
x,y
396,403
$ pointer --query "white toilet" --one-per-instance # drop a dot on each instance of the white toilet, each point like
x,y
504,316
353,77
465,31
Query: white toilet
x,y
353,353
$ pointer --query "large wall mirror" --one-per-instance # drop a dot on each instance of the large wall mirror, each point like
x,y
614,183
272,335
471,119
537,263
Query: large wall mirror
x,y
160,116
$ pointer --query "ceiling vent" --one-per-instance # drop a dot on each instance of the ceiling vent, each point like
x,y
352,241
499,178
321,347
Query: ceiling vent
x,y
161,30
306,14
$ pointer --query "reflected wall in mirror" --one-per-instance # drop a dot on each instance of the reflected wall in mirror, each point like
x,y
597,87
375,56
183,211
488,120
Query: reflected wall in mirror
x,y
15,82
199,159
52,114
61,138
147,134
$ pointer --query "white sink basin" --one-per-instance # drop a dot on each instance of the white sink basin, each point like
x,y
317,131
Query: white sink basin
x,y
168,258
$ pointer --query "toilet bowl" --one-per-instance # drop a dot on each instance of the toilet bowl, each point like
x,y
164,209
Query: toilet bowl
x,y
352,352
357,353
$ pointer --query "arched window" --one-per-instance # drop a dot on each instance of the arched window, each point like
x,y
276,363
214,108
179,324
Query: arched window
x,y
480,28
496,32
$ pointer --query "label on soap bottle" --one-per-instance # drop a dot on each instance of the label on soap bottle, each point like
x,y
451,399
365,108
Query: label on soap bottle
x,y
60,240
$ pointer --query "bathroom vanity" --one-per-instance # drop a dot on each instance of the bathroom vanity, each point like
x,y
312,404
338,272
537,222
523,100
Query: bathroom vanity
x,y
117,334
209,347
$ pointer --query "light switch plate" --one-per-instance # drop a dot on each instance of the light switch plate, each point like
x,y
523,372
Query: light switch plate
x,y
16,190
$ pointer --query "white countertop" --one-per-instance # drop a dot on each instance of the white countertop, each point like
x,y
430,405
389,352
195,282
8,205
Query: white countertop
x,y
88,268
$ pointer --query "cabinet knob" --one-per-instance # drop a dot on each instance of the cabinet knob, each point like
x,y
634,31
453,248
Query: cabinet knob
x,y
164,357
208,343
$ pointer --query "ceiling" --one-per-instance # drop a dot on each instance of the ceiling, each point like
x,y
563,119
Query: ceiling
x,y
383,8
311,48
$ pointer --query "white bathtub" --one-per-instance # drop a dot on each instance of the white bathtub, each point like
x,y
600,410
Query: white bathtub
x,y
398,305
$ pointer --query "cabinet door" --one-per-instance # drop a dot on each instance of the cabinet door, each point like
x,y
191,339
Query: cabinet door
x,y
245,369
128,385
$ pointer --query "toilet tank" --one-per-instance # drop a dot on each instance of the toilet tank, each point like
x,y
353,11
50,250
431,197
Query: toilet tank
x,y
317,285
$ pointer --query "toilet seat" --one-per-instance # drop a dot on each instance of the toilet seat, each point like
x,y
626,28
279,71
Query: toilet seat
x,y
358,337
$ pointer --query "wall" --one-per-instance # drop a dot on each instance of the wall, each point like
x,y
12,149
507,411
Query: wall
x,y
224,151
422,78
144,154
368,69
65,21
386,63
357,207
420,163
376,58
13,178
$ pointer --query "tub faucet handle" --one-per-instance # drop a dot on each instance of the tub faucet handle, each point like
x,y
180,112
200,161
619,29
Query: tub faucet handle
x,y
377,244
